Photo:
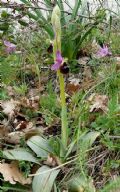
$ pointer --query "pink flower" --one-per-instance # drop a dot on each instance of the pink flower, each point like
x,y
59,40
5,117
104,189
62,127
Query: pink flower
x,y
104,51
10,47
58,62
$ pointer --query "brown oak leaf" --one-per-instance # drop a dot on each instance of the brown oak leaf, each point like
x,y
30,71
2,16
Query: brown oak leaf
x,y
98,103
12,173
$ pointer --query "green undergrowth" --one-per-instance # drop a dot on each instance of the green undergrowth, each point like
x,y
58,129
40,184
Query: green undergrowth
x,y
90,136
90,159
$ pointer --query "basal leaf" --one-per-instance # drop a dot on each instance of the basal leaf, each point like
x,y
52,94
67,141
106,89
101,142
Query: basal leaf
x,y
40,146
44,181
89,138
19,154
80,184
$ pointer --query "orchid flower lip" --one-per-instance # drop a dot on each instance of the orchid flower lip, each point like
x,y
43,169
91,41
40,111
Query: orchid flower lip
x,y
58,62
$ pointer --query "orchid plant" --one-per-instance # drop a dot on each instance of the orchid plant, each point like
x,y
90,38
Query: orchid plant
x,y
58,61
74,26
10,47
104,51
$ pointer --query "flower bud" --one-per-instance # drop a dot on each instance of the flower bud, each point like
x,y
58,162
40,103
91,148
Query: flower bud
x,y
56,20
56,16
57,26
56,12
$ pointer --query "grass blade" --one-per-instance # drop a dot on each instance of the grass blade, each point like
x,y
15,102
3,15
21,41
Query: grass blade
x,y
76,8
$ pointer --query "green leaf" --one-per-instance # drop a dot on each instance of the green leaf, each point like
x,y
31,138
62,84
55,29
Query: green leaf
x,y
76,8
48,3
4,14
113,186
80,184
14,188
70,148
78,45
19,154
60,3
38,16
88,139
40,146
22,22
44,181
4,26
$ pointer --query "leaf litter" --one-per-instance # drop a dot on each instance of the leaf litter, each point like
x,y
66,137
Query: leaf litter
x,y
26,128
98,103
12,173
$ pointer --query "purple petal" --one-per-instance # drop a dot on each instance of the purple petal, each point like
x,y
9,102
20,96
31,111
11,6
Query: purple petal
x,y
55,66
105,47
8,44
10,47
59,58
103,51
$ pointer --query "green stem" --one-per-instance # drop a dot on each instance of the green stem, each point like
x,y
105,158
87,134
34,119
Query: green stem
x,y
64,128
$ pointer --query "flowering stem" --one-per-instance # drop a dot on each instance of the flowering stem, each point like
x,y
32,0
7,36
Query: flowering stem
x,y
64,128
57,49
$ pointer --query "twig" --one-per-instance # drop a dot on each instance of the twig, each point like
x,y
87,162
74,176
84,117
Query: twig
x,y
114,136
22,7
55,168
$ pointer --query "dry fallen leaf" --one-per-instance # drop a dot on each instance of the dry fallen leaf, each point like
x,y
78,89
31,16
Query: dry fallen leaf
x,y
117,62
31,102
14,137
3,131
10,91
83,60
52,161
98,103
9,107
34,92
21,125
25,132
73,86
87,84
12,174
87,74
95,47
